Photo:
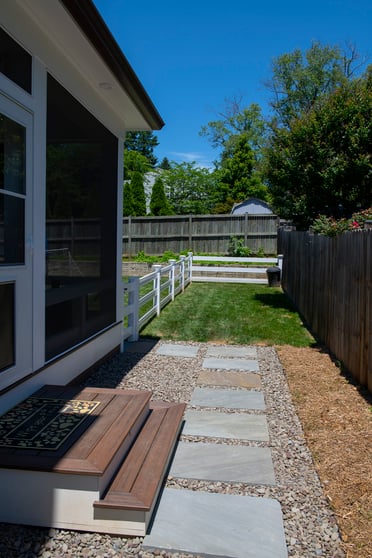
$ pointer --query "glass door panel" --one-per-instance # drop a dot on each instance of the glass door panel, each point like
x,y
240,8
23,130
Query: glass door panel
x,y
15,257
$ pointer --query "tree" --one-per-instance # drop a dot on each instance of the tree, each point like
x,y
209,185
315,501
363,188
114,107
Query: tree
x,y
300,79
135,162
143,143
189,188
159,204
237,178
165,164
128,206
138,193
234,121
323,162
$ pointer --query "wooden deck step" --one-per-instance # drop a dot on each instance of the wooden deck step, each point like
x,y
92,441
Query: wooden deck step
x,y
138,481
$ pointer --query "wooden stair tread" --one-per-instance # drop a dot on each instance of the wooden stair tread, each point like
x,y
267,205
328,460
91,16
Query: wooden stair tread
x,y
93,446
136,484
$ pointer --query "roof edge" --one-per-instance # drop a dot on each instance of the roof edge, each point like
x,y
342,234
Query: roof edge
x,y
95,29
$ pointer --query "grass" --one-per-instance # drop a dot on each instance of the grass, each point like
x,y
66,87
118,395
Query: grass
x,y
231,313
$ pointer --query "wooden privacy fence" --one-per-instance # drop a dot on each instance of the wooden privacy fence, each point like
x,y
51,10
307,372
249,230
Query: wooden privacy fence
x,y
330,281
198,233
144,297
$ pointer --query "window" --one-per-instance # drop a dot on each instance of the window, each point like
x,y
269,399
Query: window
x,y
15,62
12,191
80,222
6,325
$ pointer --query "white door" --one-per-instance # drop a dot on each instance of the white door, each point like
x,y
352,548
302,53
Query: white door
x,y
15,242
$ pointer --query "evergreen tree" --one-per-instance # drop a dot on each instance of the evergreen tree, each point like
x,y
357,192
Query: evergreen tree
x,y
127,199
135,162
138,193
144,143
237,178
159,204
165,164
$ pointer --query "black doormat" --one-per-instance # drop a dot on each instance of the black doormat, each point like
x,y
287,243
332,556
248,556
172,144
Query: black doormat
x,y
43,424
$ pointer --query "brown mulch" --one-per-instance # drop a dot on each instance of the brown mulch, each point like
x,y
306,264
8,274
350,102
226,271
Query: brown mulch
x,y
336,417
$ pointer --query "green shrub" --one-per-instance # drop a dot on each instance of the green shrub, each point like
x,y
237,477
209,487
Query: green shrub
x,y
237,249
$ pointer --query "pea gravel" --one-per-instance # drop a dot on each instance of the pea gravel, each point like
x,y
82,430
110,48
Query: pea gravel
x,y
310,526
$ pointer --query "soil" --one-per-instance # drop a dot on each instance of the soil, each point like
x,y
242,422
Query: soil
x,y
336,416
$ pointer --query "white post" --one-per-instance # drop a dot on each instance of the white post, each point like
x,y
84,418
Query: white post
x,y
171,276
182,272
157,284
133,299
190,265
280,261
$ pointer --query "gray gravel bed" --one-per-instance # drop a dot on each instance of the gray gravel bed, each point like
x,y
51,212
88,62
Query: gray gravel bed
x,y
310,526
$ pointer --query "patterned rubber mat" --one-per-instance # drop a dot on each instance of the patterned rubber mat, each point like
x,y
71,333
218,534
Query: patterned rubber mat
x,y
43,424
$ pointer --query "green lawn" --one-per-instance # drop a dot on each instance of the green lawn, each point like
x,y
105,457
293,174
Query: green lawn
x,y
231,313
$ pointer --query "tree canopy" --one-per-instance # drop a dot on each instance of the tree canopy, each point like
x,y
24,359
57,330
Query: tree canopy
x,y
143,143
323,164
189,188
300,79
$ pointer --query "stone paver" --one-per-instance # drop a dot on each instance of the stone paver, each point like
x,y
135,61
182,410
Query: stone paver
x,y
228,398
231,364
168,349
223,351
225,463
229,379
214,424
222,525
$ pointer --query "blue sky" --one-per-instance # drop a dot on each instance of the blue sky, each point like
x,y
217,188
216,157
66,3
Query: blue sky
x,y
191,56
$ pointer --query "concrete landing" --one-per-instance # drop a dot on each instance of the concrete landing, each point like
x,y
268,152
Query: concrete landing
x,y
217,525
225,463
214,424
231,364
228,398
169,349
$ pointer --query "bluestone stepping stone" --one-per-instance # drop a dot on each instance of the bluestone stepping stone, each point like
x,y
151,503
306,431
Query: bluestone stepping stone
x,y
214,424
223,351
188,351
231,364
228,399
229,379
225,463
223,525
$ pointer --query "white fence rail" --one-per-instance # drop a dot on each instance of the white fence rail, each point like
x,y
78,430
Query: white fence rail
x,y
247,273
144,297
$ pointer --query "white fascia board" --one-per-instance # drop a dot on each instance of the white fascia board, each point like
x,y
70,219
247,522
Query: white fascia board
x,y
47,31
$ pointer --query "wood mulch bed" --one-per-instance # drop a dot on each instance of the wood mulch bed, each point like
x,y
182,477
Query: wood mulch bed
x,y
336,415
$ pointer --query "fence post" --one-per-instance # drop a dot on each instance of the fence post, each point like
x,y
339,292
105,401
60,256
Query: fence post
x,y
190,265
133,299
182,272
157,284
171,277
280,261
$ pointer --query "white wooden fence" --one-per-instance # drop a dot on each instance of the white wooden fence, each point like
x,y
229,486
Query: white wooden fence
x,y
247,273
144,297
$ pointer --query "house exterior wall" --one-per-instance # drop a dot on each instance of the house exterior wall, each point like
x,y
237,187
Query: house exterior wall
x,y
58,47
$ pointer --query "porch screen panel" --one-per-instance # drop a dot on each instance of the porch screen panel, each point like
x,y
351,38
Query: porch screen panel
x,y
80,223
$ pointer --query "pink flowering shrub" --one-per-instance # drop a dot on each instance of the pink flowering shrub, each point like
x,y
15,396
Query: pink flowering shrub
x,y
329,226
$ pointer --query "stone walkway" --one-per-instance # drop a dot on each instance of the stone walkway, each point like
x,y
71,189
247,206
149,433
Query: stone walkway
x,y
212,524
